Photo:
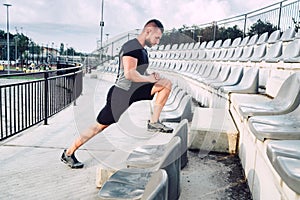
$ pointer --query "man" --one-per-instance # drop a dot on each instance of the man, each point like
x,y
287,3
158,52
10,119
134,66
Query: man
x,y
132,84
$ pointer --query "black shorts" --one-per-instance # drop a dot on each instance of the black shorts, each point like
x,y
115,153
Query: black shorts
x,y
118,100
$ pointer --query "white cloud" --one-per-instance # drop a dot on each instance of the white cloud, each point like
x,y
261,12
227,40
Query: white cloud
x,y
76,22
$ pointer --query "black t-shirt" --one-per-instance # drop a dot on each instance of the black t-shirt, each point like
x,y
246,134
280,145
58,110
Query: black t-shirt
x,y
134,49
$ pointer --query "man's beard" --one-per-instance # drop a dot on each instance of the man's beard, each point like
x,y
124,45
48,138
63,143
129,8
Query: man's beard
x,y
148,43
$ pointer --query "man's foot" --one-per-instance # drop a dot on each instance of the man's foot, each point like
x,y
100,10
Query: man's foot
x,y
158,126
71,160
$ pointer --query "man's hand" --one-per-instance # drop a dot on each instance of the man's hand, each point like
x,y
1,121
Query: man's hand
x,y
156,76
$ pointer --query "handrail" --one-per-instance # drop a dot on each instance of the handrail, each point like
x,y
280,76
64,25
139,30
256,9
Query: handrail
x,y
26,103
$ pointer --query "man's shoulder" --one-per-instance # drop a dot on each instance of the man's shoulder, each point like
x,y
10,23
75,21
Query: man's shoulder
x,y
131,45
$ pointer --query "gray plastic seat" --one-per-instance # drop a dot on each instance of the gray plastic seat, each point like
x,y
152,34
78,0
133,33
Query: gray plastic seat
x,y
247,53
259,50
206,72
264,131
288,170
198,70
236,42
244,41
223,53
263,38
213,74
248,83
174,103
281,127
230,52
288,35
184,111
274,37
234,78
286,100
248,48
226,43
135,184
174,92
237,54
285,148
170,161
258,53
149,156
202,68
274,52
284,156
201,51
222,76
291,53
252,40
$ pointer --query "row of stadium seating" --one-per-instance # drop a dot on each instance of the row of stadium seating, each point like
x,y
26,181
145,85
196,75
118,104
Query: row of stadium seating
x,y
255,79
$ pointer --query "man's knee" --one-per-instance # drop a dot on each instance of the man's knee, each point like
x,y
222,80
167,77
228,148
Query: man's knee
x,y
97,128
166,83
169,84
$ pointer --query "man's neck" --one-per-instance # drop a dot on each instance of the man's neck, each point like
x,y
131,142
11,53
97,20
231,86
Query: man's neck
x,y
141,40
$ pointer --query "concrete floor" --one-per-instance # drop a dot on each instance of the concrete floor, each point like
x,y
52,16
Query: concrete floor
x,y
30,163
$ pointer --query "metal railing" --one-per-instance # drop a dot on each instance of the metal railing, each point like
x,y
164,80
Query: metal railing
x,y
28,99
280,15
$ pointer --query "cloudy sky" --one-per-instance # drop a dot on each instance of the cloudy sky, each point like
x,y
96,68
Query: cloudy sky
x,y
76,22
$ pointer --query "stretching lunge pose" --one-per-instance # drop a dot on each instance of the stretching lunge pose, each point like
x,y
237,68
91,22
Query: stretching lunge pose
x,y
132,84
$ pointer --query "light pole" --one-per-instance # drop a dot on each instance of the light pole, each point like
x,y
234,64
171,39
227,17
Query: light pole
x,y
101,31
7,29
101,25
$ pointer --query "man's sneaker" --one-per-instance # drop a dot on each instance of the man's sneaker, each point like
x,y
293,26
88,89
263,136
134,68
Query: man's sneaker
x,y
71,160
158,126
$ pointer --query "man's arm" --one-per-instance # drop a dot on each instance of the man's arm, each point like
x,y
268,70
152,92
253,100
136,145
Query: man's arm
x,y
130,65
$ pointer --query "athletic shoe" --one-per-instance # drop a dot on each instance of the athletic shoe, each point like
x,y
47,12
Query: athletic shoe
x,y
71,160
159,127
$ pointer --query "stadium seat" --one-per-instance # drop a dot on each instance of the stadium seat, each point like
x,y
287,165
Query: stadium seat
x,y
168,158
276,127
284,156
259,50
184,111
285,101
149,156
248,83
274,52
135,184
233,78
288,35
291,53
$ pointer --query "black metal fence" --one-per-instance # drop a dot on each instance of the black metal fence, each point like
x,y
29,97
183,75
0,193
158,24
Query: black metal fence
x,y
28,99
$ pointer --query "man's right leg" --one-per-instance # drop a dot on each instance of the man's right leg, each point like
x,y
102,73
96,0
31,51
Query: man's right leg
x,y
68,156
162,88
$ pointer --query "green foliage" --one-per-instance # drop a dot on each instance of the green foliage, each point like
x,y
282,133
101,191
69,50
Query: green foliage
x,y
187,34
61,49
25,47
230,32
296,23
261,27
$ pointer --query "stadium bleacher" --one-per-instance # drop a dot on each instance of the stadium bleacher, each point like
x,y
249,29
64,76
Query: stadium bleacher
x,y
256,80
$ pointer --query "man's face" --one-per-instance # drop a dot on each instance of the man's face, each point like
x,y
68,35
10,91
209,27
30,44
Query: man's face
x,y
153,37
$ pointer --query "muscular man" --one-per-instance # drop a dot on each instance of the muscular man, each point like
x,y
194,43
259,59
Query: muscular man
x,y
132,84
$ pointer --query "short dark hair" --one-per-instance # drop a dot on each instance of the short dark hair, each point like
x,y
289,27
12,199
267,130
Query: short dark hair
x,y
156,23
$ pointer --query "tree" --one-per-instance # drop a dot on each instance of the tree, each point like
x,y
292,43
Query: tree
x,y
296,23
61,49
230,32
261,27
